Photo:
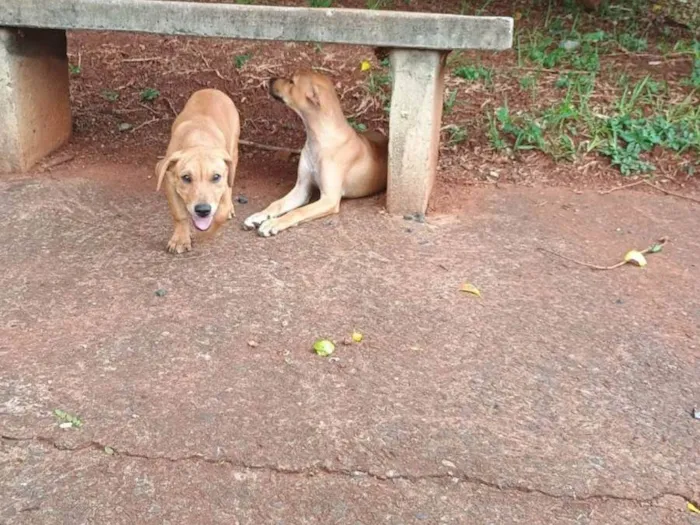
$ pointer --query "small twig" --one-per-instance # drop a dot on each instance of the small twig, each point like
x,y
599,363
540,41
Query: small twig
x,y
170,105
350,90
204,59
544,70
212,69
582,263
57,161
128,84
269,148
125,111
222,77
636,183
669,56
365,105
651,185
191,71
674,194
149,109
650,249
145,59
148,122
324,69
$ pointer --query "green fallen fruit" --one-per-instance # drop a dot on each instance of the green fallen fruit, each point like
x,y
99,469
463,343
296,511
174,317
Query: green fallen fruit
x,y
324,347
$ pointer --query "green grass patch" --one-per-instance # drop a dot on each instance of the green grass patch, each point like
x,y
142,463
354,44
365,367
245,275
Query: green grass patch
x,y
357,126
241,60
149,94
474,74
642,118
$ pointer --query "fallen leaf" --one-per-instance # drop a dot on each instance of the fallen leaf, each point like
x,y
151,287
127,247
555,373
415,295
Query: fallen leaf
x,y
357,337
161,292
324,347
470,288
636,257
365,65
656,248
692,508
109,451
69,420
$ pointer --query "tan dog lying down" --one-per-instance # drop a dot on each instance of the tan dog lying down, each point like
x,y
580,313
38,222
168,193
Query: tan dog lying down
x,y
335,159
200,166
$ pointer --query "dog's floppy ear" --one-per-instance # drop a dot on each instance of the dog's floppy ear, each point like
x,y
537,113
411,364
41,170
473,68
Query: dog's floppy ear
x,y
231,168
313,95
164,165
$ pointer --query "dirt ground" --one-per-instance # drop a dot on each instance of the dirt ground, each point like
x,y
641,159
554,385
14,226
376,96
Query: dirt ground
x,y
561,396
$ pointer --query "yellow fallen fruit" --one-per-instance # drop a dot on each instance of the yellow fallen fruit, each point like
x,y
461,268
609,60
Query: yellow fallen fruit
x,y
357,337
470,288
636,257
324,347
365,65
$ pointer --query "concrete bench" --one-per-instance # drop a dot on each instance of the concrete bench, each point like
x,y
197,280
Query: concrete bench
x,y
34,96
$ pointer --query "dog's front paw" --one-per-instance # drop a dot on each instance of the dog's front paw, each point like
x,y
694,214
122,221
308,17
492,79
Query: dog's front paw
x,y
255,220
268,228
179,244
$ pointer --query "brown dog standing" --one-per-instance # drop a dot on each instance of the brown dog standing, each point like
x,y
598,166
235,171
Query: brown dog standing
x,y
200,166
335,159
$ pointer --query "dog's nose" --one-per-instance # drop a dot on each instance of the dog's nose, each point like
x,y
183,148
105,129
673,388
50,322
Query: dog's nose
x,y
203,210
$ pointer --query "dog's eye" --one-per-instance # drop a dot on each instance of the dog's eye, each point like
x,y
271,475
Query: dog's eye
x,y
186,178
216,177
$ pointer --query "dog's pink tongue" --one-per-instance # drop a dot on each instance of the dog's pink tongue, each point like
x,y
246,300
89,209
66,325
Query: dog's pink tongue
x,y
202,223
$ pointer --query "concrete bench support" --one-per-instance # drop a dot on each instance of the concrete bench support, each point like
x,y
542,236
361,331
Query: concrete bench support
x,y
34,96
414,128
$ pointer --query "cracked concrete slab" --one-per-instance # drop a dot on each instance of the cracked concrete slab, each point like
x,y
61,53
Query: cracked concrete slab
x,y
562,396
91,487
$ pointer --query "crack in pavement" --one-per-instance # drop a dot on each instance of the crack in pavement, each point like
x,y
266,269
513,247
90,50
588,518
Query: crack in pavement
x,y
355,473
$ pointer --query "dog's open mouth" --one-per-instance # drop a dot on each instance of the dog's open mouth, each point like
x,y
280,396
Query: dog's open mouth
x,y
202,223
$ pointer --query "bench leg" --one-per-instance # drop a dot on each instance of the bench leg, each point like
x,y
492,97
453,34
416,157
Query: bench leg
x,y
34,96
414,129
